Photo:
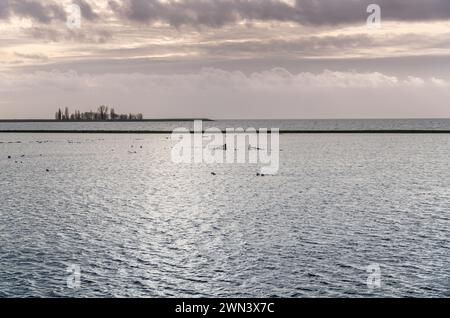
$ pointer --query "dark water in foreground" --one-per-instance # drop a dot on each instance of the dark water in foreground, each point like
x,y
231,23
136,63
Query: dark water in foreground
x,y
139,225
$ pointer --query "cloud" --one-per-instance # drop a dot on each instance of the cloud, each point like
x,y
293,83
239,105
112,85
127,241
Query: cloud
x,y
43,11
310,45
217,13
4,9
204,13
218,79
83,35
86,10
354,11
31,56
40,11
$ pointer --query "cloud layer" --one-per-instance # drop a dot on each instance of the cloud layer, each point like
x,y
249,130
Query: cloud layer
x,y
218,13
222,94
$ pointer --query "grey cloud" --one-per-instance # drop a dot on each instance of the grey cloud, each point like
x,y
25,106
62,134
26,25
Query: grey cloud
x,y
4,9
41,11
217,13
202,12
86,10
354,11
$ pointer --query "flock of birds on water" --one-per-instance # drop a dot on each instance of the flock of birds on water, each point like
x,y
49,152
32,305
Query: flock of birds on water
x,y
224,147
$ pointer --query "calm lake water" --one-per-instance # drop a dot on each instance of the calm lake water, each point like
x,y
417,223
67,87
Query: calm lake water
x,y
139,225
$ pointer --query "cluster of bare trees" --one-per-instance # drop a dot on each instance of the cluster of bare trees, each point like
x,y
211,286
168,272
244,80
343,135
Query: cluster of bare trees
x,y
102,113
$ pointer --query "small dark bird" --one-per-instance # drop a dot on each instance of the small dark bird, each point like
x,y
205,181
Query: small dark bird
x,y
9,157
213,173
47,170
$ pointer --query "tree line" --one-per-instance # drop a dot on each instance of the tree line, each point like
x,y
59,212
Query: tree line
x,y
102,113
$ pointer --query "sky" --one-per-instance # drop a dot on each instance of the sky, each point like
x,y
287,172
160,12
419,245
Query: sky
x,y
226,59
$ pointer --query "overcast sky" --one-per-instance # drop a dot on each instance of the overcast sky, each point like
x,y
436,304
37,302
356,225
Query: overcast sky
x,y
226,58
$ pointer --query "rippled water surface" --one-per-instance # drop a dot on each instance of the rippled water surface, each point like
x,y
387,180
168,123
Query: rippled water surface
x,y
320,124
139,225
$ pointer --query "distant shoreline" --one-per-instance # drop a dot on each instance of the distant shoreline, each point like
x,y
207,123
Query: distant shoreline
x,y
101,121
166,132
